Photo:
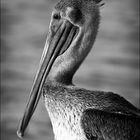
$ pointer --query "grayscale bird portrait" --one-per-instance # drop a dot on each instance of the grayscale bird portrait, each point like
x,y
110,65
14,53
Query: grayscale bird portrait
x,y
70,70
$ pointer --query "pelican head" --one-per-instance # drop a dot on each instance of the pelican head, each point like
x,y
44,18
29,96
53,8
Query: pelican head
x,y
72,31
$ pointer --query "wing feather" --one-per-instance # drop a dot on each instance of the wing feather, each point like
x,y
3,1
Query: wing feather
x,y
101,125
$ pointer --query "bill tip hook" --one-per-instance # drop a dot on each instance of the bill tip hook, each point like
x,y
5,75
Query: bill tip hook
x,y
20,134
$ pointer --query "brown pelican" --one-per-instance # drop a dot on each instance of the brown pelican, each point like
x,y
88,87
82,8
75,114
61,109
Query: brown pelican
x,y
76,113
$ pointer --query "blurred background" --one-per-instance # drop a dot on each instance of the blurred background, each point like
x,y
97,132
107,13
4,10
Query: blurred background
x,y
112,65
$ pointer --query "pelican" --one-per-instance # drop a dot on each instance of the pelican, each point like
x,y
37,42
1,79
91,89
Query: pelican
x,y
77,113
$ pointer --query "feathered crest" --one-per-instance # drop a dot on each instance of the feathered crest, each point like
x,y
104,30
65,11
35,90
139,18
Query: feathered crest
x,y
99,2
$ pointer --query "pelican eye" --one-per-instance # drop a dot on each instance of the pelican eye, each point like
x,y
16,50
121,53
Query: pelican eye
x,y
56,16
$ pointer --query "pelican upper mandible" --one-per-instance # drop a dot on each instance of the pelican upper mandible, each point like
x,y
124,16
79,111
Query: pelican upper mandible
x,y
77,113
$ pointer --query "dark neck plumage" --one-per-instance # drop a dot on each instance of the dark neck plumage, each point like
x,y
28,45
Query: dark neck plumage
x,y
67,64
